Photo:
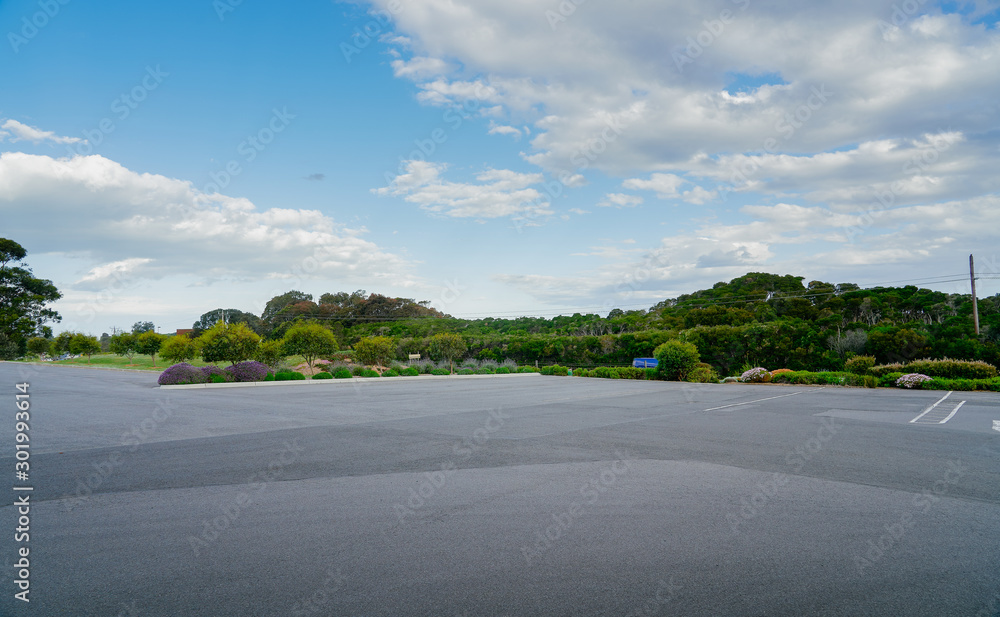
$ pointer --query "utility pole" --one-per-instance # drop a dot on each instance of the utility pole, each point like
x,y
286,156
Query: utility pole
x,y
975,306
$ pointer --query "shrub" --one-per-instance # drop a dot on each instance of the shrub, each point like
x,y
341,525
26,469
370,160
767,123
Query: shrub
x,y
888,379
269,377
676,359
509,364
953,369
466,371
447,346
181,373
212,371
440,371
503,370
702,375
248,371
369,373
323,375
358,371
343,373
651,373
375,350
780,371
289,376
860,365
410,372
391,373
309,340
528,369
756,375
631,372
912,380
486,370
884,369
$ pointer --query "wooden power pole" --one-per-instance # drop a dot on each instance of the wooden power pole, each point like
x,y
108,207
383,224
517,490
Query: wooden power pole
x,y
975,307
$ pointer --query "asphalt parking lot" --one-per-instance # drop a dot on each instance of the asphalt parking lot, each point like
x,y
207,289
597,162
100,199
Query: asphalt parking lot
x,y
516,495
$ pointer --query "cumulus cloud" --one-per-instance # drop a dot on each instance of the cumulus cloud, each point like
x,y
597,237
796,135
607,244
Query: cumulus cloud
x,y
18,131
498,193
620,200
152,226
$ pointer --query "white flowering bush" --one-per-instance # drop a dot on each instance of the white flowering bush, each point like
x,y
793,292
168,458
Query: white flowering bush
x,y
911,380
756,375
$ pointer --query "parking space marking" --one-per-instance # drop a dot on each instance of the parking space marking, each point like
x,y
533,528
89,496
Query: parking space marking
x,y
929,409
757,400
954,411
939,415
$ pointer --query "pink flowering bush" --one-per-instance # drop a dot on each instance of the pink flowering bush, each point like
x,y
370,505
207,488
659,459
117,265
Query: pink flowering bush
x,y
756,375
911,380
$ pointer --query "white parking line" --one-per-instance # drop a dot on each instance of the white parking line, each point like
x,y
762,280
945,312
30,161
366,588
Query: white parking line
x,y
758,400
954,411
930,408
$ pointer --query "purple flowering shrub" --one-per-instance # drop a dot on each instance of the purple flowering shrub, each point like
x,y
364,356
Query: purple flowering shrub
x,y
248,371
182,373
215,374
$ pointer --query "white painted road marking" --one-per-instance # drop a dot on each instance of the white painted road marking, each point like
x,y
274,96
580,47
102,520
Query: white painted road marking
x,y
953,412
758,400
930,408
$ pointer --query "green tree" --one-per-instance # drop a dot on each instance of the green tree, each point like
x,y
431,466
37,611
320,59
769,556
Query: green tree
x,y
148,343
309,340
178,349
675,359
141,327
375,350
60,344
228,343
39,345
447,346
123,344
271,353
85,345
22,301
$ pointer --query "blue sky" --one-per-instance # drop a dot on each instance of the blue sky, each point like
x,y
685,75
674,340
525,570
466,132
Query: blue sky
x,y
493,157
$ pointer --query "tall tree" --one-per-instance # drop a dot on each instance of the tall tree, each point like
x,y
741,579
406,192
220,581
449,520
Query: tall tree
x,y
141,327
22,301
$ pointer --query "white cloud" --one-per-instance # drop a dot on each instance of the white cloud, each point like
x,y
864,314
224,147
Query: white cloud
x,y
499,193
150,226
620,200
506,130
23,132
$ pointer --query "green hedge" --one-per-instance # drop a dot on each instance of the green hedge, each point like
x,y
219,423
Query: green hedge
x,y
289,376
342,373
323,375
945,367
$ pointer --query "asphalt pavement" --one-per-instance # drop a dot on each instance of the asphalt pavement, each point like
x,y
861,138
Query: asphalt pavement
x,y
516,495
